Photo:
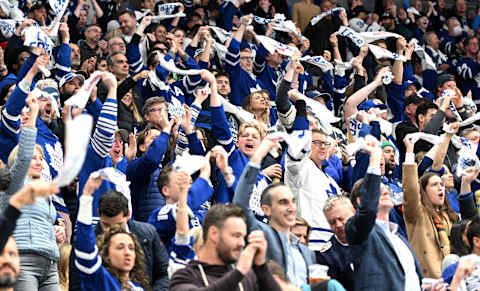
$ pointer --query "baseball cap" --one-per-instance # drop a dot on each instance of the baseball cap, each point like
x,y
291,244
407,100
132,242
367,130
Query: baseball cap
x,y
316,94
386,15
444,78
37,5
414,81
387,144
70,76
369,104
413,99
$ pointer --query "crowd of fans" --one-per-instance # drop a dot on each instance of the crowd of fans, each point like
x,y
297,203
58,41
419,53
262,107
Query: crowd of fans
x,y
238,145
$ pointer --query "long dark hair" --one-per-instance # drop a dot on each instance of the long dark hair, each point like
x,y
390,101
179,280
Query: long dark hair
x,y
452,215
137,274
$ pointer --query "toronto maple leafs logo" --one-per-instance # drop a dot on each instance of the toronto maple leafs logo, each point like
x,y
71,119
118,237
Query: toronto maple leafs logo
x,y
56,156
477,79
254,202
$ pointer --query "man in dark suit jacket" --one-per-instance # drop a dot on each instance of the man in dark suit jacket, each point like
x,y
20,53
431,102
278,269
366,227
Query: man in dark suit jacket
x,y
379,255
113,209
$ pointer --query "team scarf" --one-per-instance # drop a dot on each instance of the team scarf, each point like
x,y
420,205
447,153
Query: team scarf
x,y
59,7
381,53
168,8
241,114
430,138
277,19
35,36
334,12
422,54
221,33
160,16
272,45
77,138
171,67
470,120
80,98
370,37
318,61
451,106
7,27
413,10
351,34
289,26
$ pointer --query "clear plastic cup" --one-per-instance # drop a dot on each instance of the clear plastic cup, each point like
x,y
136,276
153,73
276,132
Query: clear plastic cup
x,y
317,273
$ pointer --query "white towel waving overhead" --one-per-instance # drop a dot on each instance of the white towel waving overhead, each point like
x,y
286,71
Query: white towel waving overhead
x,y
273,46
381,53
80,99
119,179
77,139
351,34
171,67
370,37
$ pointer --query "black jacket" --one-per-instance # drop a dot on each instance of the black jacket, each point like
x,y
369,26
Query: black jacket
x,y
156,256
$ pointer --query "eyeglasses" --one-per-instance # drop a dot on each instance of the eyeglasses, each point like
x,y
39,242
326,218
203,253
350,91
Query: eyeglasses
x,y
321,143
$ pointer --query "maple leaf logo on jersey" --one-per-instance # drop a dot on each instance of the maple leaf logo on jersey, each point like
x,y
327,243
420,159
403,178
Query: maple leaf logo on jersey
x,y
56,156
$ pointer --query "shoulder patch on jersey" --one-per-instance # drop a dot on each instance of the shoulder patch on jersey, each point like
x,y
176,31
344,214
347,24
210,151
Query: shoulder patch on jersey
x,y
326,246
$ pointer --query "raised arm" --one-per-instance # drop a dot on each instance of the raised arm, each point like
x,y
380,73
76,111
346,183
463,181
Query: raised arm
x,y
358,227
362,94
238,35
397,69
87,258
248,179
220,126
26,147
104,135
411,188
442,149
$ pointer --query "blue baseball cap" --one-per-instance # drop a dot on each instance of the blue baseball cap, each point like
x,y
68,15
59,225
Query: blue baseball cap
x,y
70,76
414,81
369,104
313,94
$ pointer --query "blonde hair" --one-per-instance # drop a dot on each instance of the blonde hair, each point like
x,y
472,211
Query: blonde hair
x,y
246,125
63,265
14,152
247,105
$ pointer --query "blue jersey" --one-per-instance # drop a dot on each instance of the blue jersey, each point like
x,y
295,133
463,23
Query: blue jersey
x,y
468,71
242,83
97,152
164,218
93,274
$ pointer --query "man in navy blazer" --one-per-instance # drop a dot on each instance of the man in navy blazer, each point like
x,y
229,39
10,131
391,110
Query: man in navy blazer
x,y
382,259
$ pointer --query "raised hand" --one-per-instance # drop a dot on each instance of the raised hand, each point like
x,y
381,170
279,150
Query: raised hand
x,y
93,183
131,148
381,73
187,119
109,80
273,171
